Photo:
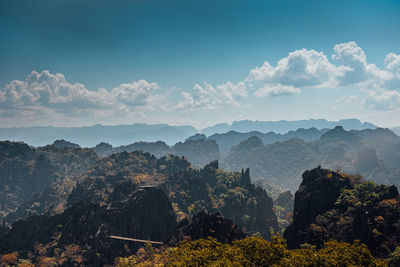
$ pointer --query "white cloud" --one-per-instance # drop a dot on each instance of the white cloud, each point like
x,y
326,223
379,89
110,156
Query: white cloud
x,y
353,61
312,69
299,69
383,100
272,90
383,90
392,65
348,67
210,97
43,94
135,93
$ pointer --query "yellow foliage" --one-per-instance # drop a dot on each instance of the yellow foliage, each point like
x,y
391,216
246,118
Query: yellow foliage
x,y
9,258
125,262
256,251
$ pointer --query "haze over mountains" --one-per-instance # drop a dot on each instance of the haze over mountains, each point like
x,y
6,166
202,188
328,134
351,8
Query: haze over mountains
x,y
280,159
118,135
396,130
74,198
285,126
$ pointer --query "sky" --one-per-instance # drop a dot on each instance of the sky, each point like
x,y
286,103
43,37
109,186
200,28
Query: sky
x,y
84,62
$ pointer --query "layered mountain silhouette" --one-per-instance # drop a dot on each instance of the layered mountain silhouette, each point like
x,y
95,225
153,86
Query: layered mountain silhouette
x,y
118,135
371,153
283,126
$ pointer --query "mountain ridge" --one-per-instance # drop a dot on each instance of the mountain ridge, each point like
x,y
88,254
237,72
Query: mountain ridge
x,y
89,136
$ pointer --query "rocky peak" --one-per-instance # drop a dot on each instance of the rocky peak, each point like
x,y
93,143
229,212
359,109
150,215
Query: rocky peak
x,y
331,205
317,193
145,213
245,178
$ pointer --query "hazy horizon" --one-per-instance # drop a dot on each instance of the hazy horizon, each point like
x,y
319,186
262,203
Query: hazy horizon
x,y
197,128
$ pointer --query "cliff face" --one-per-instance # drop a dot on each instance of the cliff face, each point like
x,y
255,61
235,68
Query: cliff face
x,y
331,205
145,213
317,194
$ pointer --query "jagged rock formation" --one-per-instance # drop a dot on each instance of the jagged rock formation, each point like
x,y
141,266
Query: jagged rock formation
x,y
229,193
204,225
144,213
332,205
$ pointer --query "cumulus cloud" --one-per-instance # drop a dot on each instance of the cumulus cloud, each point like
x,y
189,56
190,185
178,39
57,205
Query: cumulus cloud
x,y
272,90
212,97
47,94
135,93
348,66
299,69
383,91
353,60
309,68
392,66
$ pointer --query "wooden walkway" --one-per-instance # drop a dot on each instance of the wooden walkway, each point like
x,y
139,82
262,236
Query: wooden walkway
x,y
135,240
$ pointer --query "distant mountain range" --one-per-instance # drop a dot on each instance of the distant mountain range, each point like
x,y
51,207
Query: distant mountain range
x,y
227,140
118,135
282,126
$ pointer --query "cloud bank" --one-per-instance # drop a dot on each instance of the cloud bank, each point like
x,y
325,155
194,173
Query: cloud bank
x,y
43,96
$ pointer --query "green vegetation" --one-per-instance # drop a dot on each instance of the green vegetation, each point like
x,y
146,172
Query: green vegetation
x,y
350,209
254,251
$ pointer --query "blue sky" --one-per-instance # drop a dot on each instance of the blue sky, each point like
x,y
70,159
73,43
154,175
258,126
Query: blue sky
x,y
198,62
